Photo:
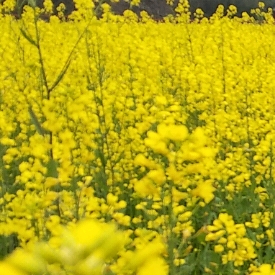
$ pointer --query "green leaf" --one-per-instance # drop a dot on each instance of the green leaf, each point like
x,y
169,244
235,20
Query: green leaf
x,y
208,257
99,100
52,169
187,269
99,154
36,123
32,3
201,238
62,73
28,37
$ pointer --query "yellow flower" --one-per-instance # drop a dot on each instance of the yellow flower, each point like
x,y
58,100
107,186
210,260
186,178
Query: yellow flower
x,y
154,265
218,248
145,187
158,146
173,132
48,6
144,255
27,262
141,160
8,269
264,269
205,191
261,5
158,176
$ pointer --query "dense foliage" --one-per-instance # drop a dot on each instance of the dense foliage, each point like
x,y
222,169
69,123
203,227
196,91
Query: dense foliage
x,y
135,147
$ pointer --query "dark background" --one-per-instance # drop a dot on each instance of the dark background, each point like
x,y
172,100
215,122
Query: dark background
x,y
159,8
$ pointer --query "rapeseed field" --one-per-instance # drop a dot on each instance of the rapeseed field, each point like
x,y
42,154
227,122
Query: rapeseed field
x,y
129,146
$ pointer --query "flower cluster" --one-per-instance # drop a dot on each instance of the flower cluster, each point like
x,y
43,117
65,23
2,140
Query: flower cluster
x,y
166,130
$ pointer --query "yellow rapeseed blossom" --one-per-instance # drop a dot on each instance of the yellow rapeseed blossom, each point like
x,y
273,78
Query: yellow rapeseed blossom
x,y
173,132
164,129
204,190
8,269
264,269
